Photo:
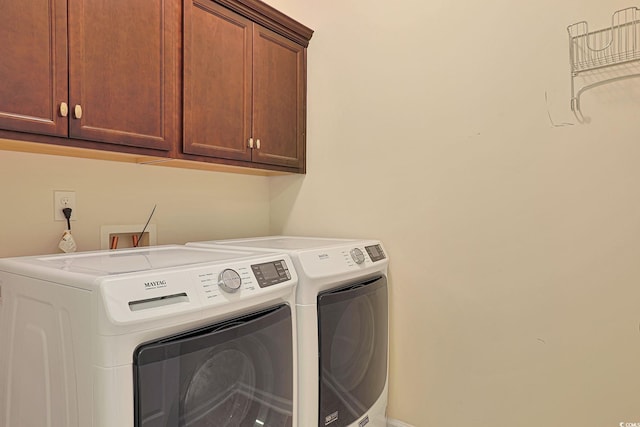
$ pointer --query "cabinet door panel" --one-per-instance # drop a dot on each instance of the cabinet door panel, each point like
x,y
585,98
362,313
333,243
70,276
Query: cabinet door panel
x,y
33,65
279,99
122,66
217,81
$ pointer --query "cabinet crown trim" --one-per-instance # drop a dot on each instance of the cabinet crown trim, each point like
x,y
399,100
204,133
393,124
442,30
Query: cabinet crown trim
x,y
268,17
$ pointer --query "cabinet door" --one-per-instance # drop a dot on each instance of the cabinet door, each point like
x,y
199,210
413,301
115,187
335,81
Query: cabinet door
x,y
279,99
217,81
122,65
33,66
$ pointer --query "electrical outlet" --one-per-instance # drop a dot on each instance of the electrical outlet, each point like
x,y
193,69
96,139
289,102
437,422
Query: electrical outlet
x,y
64,199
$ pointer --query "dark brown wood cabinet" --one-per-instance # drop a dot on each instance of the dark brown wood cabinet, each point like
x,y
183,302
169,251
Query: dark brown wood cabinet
x,y
244,84
207,81
217,81
279,101
33,66
122,67
94,70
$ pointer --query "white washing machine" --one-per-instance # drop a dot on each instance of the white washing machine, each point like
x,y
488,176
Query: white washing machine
x,y
342,306
166,336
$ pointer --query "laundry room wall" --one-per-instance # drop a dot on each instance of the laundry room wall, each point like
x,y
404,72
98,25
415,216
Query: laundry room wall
x,y
191,204
444,129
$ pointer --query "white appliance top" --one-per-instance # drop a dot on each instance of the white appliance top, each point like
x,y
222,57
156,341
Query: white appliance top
x,y
283,243
106,263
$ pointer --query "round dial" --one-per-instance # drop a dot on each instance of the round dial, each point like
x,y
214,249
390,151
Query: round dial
x,y
357,255
229,280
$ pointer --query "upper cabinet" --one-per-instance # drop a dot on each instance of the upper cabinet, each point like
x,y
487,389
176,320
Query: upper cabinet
x,y
279,94
218,90
33,69
122,67
215,81
244,84
96,70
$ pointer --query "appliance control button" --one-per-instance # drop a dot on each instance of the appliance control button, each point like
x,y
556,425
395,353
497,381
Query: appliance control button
x,y
229,280
357,255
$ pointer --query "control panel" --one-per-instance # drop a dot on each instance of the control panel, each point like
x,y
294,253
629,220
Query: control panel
x,y
357,255
241,280
332,261
154,294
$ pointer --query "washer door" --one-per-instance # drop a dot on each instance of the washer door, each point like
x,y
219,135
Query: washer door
x,y
237,373
353,336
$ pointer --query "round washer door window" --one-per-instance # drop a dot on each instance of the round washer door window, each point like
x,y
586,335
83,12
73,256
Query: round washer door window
x,y
234,374
221,389
353,342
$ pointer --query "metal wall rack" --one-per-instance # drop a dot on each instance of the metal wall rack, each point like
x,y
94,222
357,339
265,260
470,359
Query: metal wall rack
x,y
595,50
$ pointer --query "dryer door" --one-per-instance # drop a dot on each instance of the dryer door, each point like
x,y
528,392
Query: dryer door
x,y
237,373
353,335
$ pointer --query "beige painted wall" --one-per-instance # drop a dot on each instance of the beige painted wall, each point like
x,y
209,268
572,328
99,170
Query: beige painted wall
x,y
191,205
514,243
514,238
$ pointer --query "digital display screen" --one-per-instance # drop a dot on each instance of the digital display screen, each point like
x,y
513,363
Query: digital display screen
x,y
375,252
269,271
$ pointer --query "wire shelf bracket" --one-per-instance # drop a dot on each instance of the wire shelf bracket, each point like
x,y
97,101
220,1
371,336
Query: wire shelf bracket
x,y
595,50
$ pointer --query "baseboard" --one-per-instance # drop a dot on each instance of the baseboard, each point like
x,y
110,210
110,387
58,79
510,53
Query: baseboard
x,y
395,423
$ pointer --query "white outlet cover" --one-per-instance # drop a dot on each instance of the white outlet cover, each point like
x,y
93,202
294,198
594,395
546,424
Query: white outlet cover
x,y
62,199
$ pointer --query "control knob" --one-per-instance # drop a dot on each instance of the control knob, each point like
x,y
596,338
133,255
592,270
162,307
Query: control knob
x,y
357,255
229,280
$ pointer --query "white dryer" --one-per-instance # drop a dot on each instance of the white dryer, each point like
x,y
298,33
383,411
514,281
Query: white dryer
x,y
342,307
169,336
